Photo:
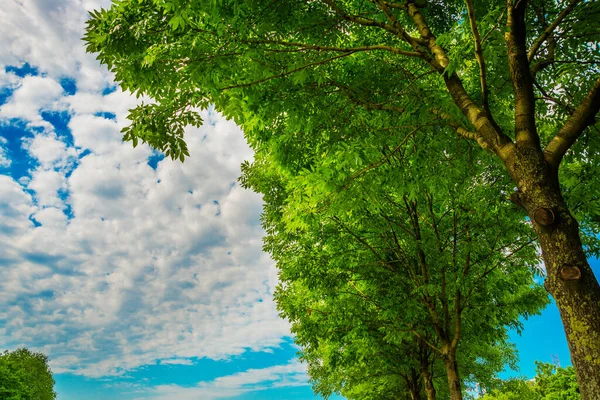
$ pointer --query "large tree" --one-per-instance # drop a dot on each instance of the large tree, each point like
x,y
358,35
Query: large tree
x,y
518,79
396,262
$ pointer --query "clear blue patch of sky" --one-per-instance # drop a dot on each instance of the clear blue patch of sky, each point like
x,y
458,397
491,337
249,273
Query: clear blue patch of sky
x,y
22,163
69,86
63,194
107,115
288,393
60,121
23,70
108,90
155,158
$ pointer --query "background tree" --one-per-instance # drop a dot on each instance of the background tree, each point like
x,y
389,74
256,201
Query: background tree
x,y
25,375
550,383
518,79
394,260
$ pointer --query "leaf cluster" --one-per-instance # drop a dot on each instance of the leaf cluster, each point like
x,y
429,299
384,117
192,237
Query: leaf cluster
x,y
25,375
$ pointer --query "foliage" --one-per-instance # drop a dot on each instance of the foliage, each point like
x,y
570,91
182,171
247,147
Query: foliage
x,y
329,91
550,383
25,375
351,266
296,74
555,383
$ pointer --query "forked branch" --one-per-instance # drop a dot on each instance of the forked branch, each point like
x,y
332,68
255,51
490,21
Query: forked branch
x,y
583,116
550,29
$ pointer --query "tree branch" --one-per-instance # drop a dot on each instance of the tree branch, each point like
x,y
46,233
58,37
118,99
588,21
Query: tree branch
x,y
583,117
460,129
478,55
440,61
359,20
283,74
525,128
304,46
548,31
490,134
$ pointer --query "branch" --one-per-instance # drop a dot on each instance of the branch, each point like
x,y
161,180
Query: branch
x,y
268,78
413,42
441,60
359,20
498,263
525,128
583,117
460,129
493,137
304,46
363,242
425,341
478,56
493,28
548,31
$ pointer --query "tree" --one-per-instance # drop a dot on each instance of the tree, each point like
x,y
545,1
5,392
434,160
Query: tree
x,y
550,383
391,267
25,375
519,80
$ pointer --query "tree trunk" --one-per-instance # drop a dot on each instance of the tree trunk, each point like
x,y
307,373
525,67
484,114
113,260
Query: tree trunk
x,y
569,278
452,374
414,385
571,282
428,383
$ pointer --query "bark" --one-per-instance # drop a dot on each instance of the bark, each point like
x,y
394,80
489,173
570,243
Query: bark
x,y
414,385
569,279
428,383
453,377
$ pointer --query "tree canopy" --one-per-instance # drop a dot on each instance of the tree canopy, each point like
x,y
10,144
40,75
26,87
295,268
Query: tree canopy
x,y
518,82
25,375
550,383
387,279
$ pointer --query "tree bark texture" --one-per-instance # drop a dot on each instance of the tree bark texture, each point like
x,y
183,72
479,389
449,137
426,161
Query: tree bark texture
x,y
453,378
428,383
569,278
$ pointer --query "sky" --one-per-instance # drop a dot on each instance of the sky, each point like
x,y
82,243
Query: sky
x,y
140,277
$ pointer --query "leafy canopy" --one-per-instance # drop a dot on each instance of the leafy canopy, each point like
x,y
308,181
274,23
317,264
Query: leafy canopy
x,y
550,383
25,375
309,74
384,274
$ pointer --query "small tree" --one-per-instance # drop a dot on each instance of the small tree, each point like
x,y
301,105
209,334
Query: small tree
x,y
550,383
25,375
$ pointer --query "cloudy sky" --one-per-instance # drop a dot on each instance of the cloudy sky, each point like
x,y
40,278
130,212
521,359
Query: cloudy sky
x,y
140,277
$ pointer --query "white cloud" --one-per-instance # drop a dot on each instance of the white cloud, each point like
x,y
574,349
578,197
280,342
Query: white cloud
x,y
177,361
154,264
46,184
130,264
50,151
46,34
34,93
291,374
8,80
5,161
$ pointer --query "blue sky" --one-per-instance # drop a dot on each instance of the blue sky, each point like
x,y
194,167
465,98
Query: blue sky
x,y
140,277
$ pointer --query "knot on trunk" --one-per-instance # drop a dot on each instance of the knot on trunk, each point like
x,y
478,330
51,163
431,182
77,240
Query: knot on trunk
x,y
544,216
570,273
